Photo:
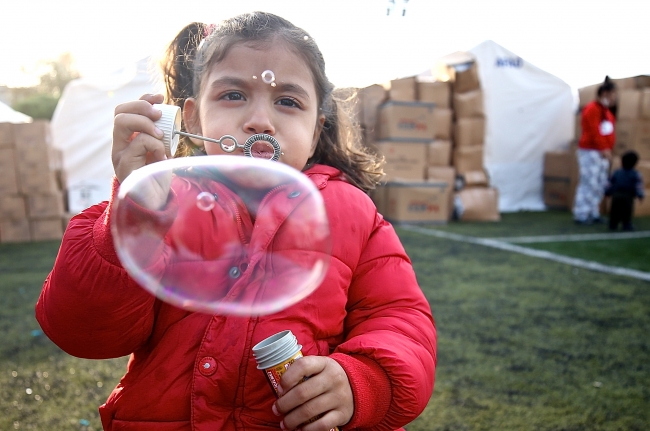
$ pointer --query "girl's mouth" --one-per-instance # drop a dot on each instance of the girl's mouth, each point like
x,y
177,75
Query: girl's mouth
x,y
262,150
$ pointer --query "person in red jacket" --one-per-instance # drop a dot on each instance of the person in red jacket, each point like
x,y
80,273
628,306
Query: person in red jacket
x,y
367,333
594,154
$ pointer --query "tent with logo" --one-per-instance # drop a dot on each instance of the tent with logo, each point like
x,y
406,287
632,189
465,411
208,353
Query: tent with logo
x,y
82,128
528,112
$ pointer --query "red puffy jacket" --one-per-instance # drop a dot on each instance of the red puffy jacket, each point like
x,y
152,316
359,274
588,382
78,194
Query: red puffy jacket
x,y
369,315
593,114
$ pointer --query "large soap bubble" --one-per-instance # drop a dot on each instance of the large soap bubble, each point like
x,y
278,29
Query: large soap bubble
x,y
222,234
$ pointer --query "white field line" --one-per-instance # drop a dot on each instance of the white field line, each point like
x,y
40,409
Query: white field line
x,y
501,245
575,237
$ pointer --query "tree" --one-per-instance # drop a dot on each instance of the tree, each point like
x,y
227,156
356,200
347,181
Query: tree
x,y
41,102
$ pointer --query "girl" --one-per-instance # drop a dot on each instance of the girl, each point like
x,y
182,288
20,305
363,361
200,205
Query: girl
x,y
367,332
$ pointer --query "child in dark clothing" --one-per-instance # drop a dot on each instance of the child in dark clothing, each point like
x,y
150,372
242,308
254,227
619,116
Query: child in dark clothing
x,y
624,185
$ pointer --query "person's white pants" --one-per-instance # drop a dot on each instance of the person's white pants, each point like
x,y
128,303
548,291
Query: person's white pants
x,y
594,169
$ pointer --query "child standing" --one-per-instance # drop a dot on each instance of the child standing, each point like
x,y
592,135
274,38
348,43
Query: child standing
x,y
624,186
367,332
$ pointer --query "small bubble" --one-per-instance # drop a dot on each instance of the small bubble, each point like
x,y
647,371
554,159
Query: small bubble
x,y
100,384
71,370
14,373
84,422
38,398
268,76
597,384
46,374
16,425
306,37
47,387
273,84
28,391
205,201
254,77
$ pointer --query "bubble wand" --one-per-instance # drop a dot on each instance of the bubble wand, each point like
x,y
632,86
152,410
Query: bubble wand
x,y
170,124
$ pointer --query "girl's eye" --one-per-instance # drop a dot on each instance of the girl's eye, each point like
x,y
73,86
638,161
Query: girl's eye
x,y
233,95
287,101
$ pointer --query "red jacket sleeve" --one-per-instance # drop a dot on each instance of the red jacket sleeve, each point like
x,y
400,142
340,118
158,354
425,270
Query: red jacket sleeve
x,y
89,306
389,352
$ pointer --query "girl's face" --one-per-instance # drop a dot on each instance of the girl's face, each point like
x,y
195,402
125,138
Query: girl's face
x,y
239,99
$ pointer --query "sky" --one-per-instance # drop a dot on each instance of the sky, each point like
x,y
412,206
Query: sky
x,y
579,41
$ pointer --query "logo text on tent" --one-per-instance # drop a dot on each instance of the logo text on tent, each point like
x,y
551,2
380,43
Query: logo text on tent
x,y
516,62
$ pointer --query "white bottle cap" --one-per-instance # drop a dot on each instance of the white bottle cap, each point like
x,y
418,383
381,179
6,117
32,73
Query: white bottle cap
x,y
169,123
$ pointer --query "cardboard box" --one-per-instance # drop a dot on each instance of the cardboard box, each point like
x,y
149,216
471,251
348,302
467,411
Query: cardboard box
x,y
587,94
404,159
436,92
625,136
642,139
466,77
36,180
46,229
629,105
35,135
446,174
477,178
8,172
14,231
558,192
403,89
442,123
439,153
469,132
369,99
417,202
6,135
12,207
560,164
44,205
644,110
406,120
478,204
469,104
467,159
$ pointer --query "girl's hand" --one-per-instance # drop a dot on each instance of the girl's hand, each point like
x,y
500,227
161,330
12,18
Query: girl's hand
x,y
136,139
327,390
138,142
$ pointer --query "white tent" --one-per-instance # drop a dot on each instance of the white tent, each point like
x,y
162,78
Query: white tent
x,y
82,128
8,115
528,112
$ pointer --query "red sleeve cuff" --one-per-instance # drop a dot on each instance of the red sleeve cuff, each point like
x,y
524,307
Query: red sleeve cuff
x,y
371,390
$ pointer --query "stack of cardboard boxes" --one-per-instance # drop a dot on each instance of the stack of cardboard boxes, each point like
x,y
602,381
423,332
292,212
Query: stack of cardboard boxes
x,y
431,136
632,133
475,200
31,200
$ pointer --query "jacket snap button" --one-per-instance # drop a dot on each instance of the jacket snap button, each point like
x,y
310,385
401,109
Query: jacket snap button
x,y
207,366
234,272
294,194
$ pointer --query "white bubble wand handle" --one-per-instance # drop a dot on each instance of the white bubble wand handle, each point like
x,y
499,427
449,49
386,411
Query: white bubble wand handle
x,y
170,124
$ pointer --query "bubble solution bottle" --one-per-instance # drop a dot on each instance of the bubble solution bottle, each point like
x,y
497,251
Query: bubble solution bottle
x,y
275,354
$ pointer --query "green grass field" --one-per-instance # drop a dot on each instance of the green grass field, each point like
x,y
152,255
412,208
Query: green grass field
x,y
524,343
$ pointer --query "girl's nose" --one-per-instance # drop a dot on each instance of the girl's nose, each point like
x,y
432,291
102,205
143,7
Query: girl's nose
x,y
259,120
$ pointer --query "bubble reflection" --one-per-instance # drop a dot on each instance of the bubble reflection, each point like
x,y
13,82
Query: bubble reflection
x,y
205,201
268,76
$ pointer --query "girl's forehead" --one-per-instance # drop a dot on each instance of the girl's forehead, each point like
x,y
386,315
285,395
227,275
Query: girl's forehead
x,y
259,60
